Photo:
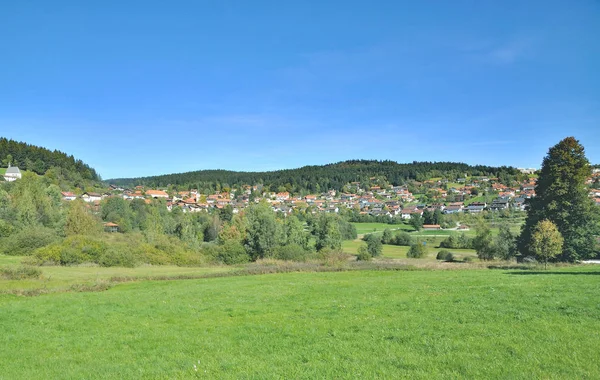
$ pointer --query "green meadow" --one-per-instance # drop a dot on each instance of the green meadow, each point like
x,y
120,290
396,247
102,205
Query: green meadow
x,y
476,323
365,228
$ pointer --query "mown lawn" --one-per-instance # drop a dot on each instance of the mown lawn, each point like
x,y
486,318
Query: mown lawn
x,y
365,228
366,324
399,252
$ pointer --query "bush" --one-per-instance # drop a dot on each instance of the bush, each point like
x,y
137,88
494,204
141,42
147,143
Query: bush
x,y
27,240
231,252
445,255
19,273
402,238
417,251
49,254
363,254
374,246
331,257
291,252
114,257
468,259
453,241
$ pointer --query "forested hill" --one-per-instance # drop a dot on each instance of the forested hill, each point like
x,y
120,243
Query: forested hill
x,y
39,160
322,178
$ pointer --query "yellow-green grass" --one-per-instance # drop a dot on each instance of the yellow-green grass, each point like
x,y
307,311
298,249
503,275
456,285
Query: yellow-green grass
x,y
390,251
399,252
370,324
365,228
57,278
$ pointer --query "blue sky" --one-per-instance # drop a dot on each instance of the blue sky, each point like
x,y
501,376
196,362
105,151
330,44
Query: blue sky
x,y
149,87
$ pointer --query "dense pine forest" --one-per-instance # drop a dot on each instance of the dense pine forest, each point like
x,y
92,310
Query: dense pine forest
x,y
323,178
40,160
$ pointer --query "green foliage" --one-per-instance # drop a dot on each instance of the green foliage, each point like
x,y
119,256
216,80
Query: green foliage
x,y
363,253
80,221
402,238
264,231
26,240
292,252
387,236
115,257
416,221
445,255
483,242
316,179
374,246
546,241
39,160
294,233
505,243
417,251
347,230
231,252
454,241
327,232
562,198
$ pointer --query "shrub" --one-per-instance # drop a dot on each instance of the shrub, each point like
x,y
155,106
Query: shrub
x,y
363,254
27,240
468,259
114,257
291,252
232,252
445,255
417,251
49,254
402,238
331,257
374,246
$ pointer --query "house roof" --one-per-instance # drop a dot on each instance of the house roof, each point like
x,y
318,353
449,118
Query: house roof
x,y
12,170
156,192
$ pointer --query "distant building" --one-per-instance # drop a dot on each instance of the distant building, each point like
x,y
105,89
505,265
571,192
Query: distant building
x,y
91,197
12,174
527,171
68,196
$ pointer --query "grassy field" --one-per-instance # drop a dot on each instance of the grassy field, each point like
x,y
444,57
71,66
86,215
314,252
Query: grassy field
x,y
365,228
399,252
2,171
60,278
387,324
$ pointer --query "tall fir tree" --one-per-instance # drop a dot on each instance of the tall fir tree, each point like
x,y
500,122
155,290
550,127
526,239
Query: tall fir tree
x,y
561,196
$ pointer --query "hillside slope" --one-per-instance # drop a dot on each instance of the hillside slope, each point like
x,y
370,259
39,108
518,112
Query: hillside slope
x,y
322,178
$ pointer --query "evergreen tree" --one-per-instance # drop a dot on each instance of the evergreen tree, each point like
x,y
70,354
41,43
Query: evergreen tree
x,y
562,198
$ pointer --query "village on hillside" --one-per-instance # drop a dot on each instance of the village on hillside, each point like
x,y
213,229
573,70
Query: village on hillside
x,y
459,195
448,196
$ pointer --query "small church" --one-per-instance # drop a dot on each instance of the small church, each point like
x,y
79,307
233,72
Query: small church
x,y
12,174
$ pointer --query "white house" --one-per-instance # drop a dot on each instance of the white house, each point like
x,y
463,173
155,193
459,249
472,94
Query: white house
x,y
12,174
91,197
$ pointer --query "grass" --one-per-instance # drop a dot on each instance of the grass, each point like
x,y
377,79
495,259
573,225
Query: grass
x,y
390,251
399,252
369,324
60,278
365,228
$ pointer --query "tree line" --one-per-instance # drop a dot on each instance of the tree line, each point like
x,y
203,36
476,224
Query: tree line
x,y
316,179
39,160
